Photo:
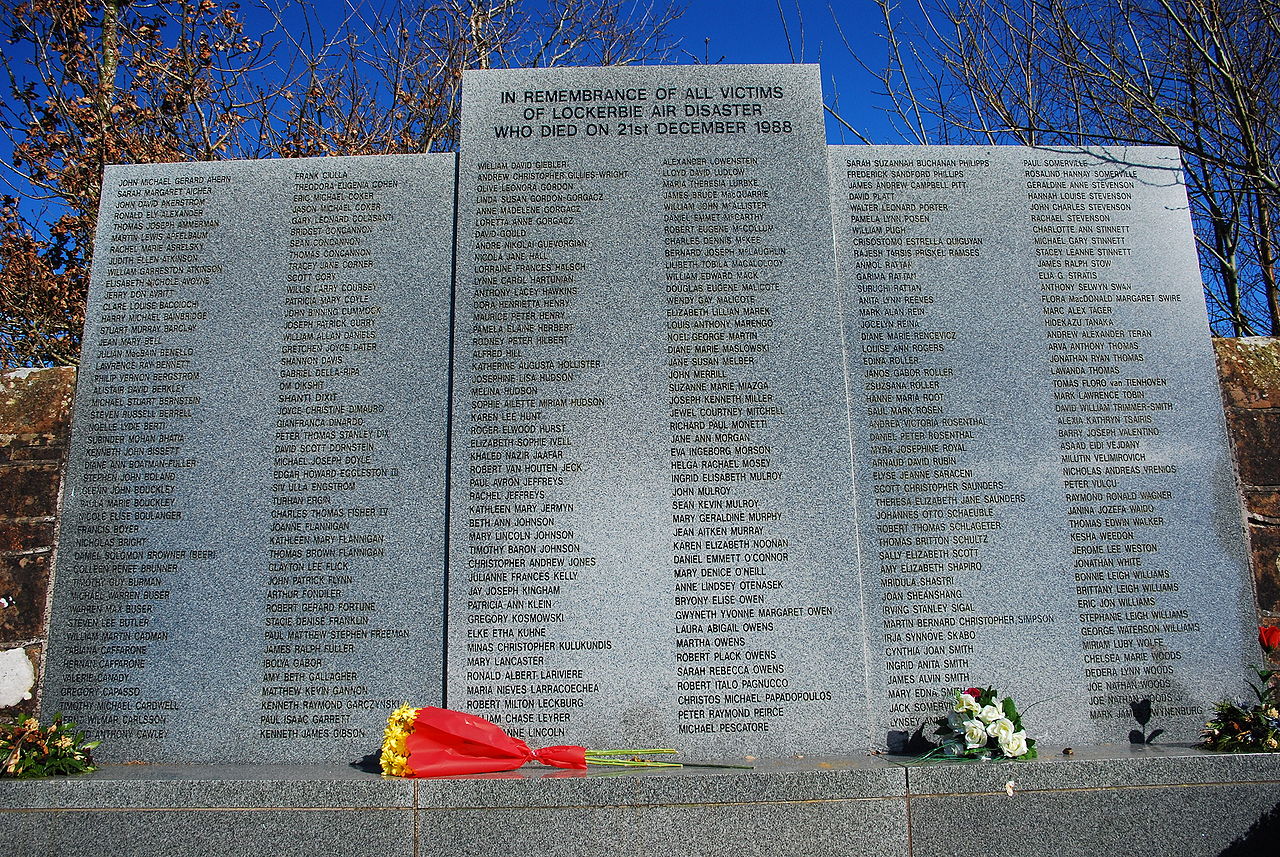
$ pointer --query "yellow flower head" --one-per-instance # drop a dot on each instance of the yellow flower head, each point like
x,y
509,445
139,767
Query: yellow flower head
x,y
395,758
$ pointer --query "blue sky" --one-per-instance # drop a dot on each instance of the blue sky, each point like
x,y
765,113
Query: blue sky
x,y
750,31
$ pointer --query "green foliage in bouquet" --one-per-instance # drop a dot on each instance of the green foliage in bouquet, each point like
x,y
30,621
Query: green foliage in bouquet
x,y
27,750
981,725
1256,729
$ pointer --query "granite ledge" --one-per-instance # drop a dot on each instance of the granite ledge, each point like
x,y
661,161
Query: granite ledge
x,y
210,787
769,781
871,778
1116,766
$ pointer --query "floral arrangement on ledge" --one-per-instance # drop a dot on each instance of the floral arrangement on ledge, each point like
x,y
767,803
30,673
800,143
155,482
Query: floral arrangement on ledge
x,y
1255,729
440,742
27,750
981,725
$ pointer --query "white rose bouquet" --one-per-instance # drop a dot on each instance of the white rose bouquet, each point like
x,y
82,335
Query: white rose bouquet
x,y
981,725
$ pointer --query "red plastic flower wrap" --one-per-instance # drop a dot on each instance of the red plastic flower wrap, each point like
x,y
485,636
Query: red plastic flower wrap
x,y
439,742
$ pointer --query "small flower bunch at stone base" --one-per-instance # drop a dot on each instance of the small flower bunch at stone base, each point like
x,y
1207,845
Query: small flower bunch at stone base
x,y
982,725
27,750
1255,729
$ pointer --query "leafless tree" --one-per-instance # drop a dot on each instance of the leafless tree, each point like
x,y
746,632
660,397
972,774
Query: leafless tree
x,y
1203,75
388,80
95,82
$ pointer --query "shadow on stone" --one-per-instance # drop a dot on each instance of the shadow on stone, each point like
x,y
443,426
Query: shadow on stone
x,y
370,764
1141,709
906,743
1260,839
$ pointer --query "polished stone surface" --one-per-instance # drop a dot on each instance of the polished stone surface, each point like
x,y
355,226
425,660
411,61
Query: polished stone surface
x,y
650,533
1100,800
1046,498
1172,820
252,533
817,828
214,833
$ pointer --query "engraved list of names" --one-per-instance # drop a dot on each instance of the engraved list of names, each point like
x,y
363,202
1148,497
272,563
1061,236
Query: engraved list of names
x,y
650,473
256,478
1045,498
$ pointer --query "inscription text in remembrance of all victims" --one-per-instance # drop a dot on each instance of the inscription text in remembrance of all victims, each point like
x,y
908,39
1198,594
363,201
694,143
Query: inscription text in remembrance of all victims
x,y
703,273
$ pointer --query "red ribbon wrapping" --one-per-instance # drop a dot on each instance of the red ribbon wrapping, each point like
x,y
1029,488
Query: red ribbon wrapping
x,y
449,743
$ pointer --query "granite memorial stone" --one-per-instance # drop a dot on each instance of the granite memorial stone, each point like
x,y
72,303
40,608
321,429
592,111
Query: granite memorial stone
x,y
252,540
650,536
1046,499
608,493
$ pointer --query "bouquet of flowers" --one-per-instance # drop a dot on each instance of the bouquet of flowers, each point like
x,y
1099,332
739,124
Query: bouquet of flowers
x,y
439,742
1256,729
983,726
28,750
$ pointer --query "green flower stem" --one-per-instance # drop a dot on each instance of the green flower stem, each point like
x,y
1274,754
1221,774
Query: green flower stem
x,y
611,757
625,752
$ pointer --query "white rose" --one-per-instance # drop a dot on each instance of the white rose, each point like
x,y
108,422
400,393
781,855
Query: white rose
x,y
975,734
1015,745
990,714
1001,730
966,703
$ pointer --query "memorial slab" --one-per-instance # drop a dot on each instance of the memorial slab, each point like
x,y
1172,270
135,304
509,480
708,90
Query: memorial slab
x,y
615,454
650,532
252,536
1046,500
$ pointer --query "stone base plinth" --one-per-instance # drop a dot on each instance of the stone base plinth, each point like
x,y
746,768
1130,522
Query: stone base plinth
x,y
1169,801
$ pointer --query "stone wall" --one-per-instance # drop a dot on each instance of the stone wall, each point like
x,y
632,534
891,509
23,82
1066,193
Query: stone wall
x,y
1250,373
35,408
35,417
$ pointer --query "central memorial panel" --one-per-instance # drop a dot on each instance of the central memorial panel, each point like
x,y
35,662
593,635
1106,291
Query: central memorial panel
x,y
650,532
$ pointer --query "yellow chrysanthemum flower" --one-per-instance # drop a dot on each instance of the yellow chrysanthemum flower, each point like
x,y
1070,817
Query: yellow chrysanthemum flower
x,y
395,758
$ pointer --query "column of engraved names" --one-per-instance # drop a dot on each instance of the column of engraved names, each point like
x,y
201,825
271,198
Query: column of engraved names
x,y
524,273
1109,405
936,516
143,377
330,452
730,563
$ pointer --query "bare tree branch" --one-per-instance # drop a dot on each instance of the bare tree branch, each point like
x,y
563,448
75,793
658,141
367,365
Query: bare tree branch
x,y
1203,75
